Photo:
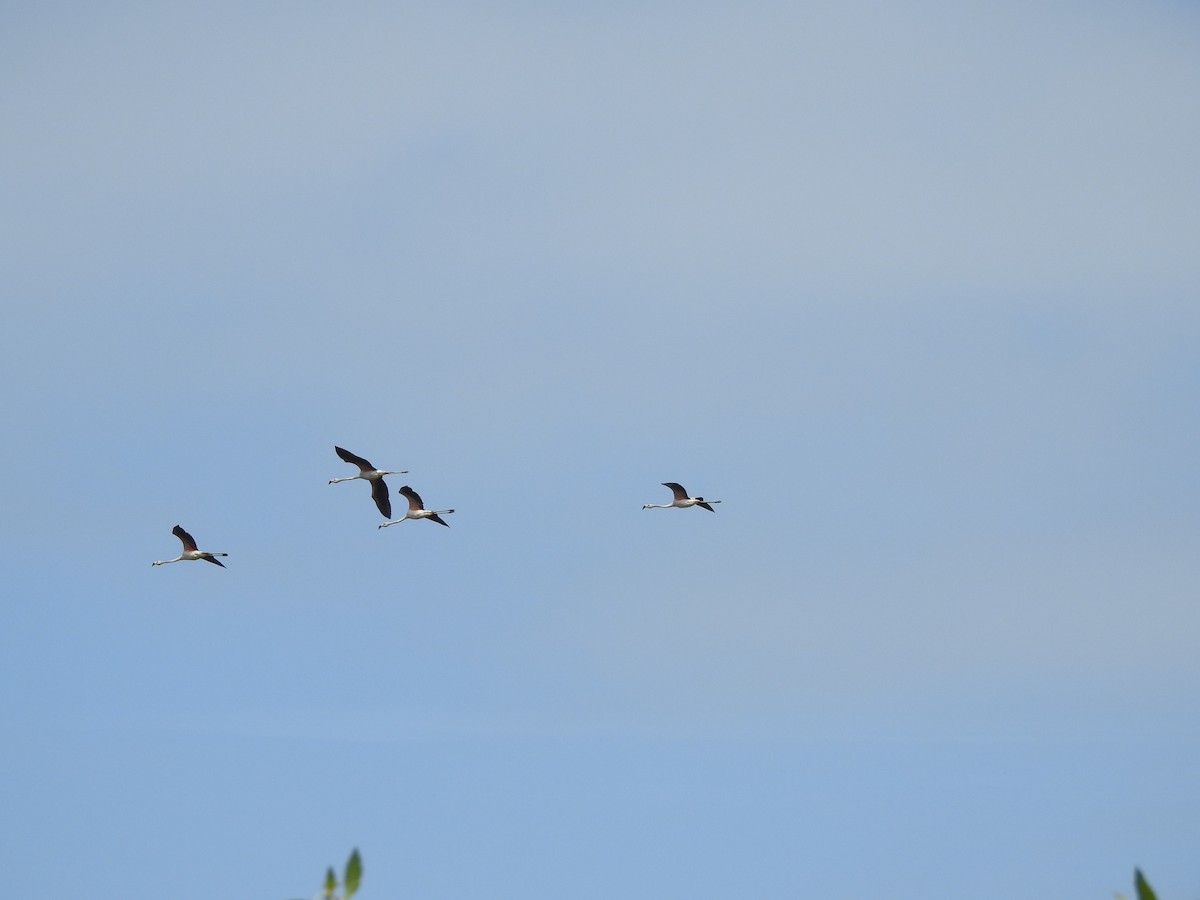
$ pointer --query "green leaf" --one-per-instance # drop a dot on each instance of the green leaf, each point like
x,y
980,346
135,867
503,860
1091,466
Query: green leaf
x,y
1144,891
330,883
354,871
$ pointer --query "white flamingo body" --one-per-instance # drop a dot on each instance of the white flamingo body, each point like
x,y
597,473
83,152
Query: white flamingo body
x,y
189,551
367,472
680,500
416,510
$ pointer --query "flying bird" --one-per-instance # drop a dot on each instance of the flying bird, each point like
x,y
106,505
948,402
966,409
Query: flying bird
x,y
368,472
416,510
681,499
190,551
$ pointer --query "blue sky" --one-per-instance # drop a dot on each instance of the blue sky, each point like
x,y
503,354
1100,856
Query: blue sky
x,y
912,289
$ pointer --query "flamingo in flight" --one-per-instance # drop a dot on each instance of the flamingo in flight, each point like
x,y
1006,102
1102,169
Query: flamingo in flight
x,y
368,472
681,499
189,550
416,510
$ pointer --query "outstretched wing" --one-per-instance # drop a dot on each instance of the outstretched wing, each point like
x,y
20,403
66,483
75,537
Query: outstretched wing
x,y
213,559
436,518
676,489
706,506
189,542
379,493
414,499
354,460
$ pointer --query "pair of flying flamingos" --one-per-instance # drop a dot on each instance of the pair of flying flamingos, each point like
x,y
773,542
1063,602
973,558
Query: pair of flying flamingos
x,y
416,507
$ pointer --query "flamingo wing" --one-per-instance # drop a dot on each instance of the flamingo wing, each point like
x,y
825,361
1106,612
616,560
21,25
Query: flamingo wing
x,y
189,542
414,499
349,457
379,493
676,489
